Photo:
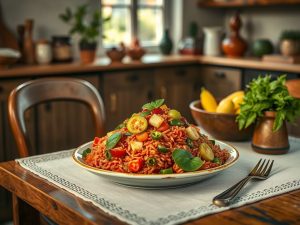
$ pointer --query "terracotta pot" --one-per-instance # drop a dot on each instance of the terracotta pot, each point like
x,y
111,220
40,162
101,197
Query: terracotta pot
x,y
265,140
289,47
87,52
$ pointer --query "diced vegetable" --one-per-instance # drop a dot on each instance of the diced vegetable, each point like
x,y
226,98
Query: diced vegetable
x,y
136,145
96,141
176,122
174,114
151,161
113,140
118,152
163,127
86,152
107,154
166,171
217,160
189,142
142,137
186,161
213,142
162,149
156,120
206,152
135,165
137,124
121,125
156,135
157,111
192,133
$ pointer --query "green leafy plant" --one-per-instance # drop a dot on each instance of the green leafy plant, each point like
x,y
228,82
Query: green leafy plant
x,y
290,35
263,95
84,23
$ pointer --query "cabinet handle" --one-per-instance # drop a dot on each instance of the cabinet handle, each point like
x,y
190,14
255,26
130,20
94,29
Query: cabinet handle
x,y
220,75
113,102
163,92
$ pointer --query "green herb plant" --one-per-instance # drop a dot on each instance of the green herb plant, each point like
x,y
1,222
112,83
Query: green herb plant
x,y
84,23
265,94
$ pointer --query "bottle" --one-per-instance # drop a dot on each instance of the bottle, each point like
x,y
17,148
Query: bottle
x,y
28,46
166,44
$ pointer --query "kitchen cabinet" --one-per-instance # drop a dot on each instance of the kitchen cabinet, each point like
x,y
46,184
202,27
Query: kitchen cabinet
x,y
179,86
125,93
221,81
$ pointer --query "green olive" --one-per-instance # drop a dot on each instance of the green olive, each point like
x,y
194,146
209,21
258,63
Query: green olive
x,y
206,152
174,114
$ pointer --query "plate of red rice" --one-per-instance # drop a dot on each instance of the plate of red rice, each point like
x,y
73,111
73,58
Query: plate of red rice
x,y
155,148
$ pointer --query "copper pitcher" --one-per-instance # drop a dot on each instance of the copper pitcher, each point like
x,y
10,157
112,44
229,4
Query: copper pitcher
x,y
265,140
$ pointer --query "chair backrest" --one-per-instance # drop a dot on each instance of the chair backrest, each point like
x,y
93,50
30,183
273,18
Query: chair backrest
x,y
43,90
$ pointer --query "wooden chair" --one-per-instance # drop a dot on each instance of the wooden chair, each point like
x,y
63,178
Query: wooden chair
x,y
44,90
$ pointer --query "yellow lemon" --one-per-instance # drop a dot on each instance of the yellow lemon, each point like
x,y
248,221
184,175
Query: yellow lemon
x,y
238,111
208,101
235,94
237,100
226,106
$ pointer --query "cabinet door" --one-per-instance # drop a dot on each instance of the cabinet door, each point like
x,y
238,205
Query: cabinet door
x,y
179,86
64,124
125,93
221,81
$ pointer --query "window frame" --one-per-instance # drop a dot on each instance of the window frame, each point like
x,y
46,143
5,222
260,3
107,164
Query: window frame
x,y
133,9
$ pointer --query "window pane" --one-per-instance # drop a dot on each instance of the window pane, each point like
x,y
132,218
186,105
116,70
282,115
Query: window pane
x,y
151,2
150,26
118,28
115,2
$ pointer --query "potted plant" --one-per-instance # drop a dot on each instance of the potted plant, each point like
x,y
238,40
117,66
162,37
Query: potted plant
x,y
290,43
268,103
87,26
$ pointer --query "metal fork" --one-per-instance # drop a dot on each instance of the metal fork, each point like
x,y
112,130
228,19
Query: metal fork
x,y
261,171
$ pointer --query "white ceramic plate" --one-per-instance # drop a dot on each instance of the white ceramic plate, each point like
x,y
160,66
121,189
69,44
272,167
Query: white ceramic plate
x,y
157,180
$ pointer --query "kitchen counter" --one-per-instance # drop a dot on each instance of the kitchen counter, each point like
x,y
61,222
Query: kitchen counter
x,y
148,61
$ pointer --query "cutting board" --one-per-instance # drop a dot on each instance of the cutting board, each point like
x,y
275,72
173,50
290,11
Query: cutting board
x,y
7,39
281,59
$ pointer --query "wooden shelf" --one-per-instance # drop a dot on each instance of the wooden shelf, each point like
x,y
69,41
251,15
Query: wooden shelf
x,y
244,3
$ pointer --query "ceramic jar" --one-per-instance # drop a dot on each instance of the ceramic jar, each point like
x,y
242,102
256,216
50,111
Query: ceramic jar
x,y
265,140
289,47
43,52
212,41
62,49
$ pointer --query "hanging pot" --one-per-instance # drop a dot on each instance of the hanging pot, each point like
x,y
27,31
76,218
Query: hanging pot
x,y
265,140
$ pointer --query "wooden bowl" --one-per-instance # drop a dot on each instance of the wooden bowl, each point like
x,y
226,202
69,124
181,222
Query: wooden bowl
x,y
115,55
219,125
136,54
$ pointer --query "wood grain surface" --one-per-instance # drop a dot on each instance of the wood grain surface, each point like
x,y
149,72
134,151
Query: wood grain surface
x,y
65,208
148,61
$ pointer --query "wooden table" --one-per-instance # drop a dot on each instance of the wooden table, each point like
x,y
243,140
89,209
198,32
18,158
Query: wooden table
x,y
32,195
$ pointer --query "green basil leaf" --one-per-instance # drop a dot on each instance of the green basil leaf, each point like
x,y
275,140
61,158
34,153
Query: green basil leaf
x,y
152,105
145,113
186,161
86,152
113,140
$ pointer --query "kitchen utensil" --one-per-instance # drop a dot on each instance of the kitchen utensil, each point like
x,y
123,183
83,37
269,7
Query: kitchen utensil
x,y
261,171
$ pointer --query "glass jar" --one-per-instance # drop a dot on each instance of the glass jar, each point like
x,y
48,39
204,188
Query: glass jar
x,y
43,52
62,49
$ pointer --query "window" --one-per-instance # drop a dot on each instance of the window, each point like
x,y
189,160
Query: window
x,y
144,19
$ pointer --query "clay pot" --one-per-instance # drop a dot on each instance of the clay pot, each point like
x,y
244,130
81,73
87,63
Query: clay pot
x,y
87,52
289,47
265,140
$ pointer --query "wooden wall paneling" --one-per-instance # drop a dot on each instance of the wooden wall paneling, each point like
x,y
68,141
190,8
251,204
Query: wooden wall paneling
x,y
179,86
221,81
125,93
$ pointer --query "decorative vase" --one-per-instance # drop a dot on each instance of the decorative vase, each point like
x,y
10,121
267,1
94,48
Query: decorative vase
x,y
166,44
234,45
262,47
265,140
289,47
